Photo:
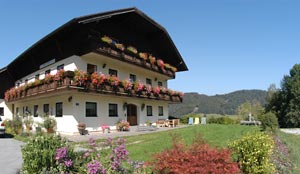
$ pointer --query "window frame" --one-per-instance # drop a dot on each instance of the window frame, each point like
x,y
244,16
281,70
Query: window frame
x,y
113,112
95,67
48,71
159,83
60,113
149,81
94,114
1,111
35,110
149,110
113,72
44,109
132,78
160,111
60,67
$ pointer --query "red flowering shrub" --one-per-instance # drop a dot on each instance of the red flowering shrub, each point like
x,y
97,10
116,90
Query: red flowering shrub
x,y
197,158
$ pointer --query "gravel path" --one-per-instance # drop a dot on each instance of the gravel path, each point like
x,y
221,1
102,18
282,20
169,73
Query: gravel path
x,y
295,131
10,156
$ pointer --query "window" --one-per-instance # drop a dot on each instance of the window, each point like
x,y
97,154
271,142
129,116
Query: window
x,y
60,67
159,83
17,111
113,110
91,68
47,72
35,110
113,72
149,110
59,109
132,78
46,109
91,109
148,81
37,76
160,111
1,111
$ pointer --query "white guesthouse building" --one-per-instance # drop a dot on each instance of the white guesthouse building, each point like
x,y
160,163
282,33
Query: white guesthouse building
x,y
124,46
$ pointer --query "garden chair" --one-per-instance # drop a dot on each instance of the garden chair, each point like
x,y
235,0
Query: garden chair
x,y
197,121
191,121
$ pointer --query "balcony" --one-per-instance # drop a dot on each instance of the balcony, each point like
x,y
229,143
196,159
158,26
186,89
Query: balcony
x,y
96,84
130,55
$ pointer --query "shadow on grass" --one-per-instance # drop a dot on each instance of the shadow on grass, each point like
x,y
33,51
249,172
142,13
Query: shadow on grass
x,y
7,136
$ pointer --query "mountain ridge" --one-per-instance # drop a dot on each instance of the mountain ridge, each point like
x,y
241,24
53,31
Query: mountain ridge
x,y
216,104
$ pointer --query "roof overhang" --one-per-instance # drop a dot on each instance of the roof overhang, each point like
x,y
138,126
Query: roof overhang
x,y
79,35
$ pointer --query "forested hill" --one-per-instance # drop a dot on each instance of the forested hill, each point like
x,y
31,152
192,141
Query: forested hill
x,y
218,104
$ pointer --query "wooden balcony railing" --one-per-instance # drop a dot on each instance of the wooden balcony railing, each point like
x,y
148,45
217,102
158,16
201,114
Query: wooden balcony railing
x,y
68,84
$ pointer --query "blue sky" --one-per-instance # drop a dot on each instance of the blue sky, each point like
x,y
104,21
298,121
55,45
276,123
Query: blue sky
x,y
227,45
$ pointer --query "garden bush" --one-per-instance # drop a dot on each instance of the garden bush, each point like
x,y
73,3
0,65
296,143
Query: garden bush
x,y
185,119
8,126
197,158
253,153
109,157
269,122
39,153
221,120
17,125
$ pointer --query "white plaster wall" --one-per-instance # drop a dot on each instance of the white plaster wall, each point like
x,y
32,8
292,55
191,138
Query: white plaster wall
x,y
67,123
7,110
74,111
71,63
124,69
103,101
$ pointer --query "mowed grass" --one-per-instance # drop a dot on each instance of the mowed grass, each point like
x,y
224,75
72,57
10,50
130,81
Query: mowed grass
x,y
293,144
142,147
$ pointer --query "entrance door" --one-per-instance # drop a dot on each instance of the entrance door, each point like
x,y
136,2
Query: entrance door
x,y
132,114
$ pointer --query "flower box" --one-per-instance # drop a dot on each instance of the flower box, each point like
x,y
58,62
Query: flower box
x,y
128,58
138,61
147,64
155,67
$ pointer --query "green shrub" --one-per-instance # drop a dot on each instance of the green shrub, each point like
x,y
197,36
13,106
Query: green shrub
x,y
269,122
185,119
17,125
253,152
220,120
8,126
38,154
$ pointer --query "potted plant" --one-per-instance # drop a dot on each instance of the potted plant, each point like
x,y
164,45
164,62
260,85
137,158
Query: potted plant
x,y
123,125
28,121
49,124
132,49
81,78
81,128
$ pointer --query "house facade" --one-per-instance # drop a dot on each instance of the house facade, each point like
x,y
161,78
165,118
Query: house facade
x,y
98,70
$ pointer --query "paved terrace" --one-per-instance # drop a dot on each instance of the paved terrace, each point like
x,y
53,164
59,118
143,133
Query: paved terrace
x,y
133,131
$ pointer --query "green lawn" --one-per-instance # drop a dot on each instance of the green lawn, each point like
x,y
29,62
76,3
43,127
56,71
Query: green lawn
x,y
142,147
293,144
